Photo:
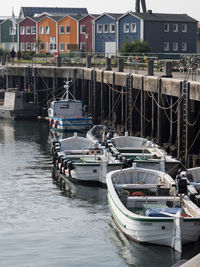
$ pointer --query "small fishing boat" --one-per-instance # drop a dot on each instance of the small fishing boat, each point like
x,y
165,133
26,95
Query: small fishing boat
x,y
85,160
145,153
68,114
146,207
17,105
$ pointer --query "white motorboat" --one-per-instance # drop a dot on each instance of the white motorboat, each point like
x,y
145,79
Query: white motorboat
x,y
146,208
84,160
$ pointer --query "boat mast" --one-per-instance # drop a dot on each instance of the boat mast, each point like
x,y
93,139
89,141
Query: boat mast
x,y
66,86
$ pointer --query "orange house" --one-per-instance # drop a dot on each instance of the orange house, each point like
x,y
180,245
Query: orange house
x,y
68,33
47,34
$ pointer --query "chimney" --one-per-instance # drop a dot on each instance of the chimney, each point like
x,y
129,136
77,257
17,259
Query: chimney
x,y
137,6
143,6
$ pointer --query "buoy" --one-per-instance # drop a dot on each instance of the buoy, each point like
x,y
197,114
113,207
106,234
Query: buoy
x,y
56,124
51,123
138,194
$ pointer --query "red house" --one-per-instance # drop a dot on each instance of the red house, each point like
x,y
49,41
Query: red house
x,y
85,33
27,34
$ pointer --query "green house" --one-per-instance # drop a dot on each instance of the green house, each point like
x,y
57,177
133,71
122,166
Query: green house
x,y
8,36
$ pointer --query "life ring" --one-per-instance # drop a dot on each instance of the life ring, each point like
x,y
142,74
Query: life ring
x,y
56,124
138,194
51,123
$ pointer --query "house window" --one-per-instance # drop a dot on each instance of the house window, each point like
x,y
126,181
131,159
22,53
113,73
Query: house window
x,y
41,30
99,28
83,29
166,46
28,46
175,46
12,31
22,46
166,27
61,29
184,46
33,30
126,27
175,27
22,30
105,28
112,28
66,46
83,46
184,27
42,46
62,47
28,30
133,27
67,29
47,29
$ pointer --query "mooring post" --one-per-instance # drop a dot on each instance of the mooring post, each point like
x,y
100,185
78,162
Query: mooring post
x,y
7,84
179,120
25,78
54,80
186,122
158,111
152,117
150,67
82,86
142,109
171,120
35,84
130,100
113,100
94,96
126,103
108,64
102,109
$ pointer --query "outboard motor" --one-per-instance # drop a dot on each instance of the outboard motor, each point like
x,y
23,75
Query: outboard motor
x,y
182,186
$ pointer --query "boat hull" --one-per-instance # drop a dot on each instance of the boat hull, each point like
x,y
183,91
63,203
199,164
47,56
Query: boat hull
x,y
71,124
94,172
158,231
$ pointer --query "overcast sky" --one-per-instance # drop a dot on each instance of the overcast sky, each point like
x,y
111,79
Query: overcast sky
x,y
190,7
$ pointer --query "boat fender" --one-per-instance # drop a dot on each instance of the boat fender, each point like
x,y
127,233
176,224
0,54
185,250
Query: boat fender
x,y
56,124
138,194
51,123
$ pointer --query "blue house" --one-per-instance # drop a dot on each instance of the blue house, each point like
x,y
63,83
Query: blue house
x,y
165,33
104,33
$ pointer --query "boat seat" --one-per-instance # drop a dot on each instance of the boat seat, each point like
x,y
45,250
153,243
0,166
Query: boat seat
x,y
155,198
136,186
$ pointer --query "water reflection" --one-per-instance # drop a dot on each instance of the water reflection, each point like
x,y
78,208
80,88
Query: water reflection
x,y
136,254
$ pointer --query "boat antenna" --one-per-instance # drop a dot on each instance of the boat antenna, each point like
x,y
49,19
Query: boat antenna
x,y
66,86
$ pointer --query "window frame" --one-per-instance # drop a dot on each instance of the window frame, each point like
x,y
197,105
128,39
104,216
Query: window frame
x,y
175,46
105,28
22,32
22,46
47,31
66,29
126,27
185,46
61,27
41,29
28,30
81,29
175,27
166,29
33,32
63,47
135,29
167,48
184,27
99,28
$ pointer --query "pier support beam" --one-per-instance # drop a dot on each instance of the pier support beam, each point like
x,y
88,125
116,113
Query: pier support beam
x,y
142,109
159,112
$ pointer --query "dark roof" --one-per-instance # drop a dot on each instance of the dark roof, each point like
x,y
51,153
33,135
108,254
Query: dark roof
x,y
77,17
31,11
114,15
164,17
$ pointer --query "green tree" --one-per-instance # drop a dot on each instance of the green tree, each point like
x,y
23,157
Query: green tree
x,y
37,43
135,46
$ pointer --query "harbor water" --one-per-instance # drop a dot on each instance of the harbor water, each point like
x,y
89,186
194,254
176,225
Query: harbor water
x,y
42,226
